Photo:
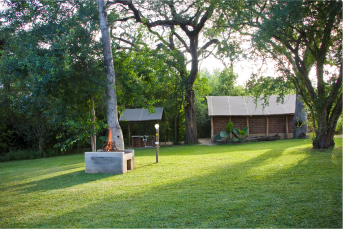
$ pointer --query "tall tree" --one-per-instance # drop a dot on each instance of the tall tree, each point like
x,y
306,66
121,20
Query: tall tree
x,y
179,27
112,114
53,54
301,36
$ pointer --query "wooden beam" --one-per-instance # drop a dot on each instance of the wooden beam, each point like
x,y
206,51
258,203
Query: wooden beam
x,y
230,133
129,134
212,130
248,125
287,127
267,130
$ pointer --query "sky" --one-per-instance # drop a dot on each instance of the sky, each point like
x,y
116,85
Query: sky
x,y
244,68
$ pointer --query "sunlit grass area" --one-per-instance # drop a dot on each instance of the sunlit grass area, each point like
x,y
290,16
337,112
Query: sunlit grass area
x,y
265,184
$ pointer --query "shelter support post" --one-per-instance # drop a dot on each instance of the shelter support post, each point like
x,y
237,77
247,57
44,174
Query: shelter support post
x,y
212,130
287,137
128,125
267,128
248,125
230,133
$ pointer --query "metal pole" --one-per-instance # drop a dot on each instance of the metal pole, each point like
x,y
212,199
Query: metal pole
x,y
129,134
157,144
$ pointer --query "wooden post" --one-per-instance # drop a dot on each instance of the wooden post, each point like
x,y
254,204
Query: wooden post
x,y
287,127
212,130
230,133
129,134
93,135
267,130
248,125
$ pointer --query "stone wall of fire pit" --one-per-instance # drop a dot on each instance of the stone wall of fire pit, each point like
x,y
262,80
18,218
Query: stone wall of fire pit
x,y
110,162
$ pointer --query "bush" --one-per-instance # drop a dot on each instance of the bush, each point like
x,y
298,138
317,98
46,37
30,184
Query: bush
x,y
25,154
339,126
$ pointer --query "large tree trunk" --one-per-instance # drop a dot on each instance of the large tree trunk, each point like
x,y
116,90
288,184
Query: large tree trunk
x,y
190,114
112,118
324,139
324,135
176,129
191,125
300,119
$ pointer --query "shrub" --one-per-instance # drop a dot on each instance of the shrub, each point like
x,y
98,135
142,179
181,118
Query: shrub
x,y
339,126
26,154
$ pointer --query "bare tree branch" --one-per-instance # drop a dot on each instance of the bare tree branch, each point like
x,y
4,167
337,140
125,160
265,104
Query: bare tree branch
x,y
213,41
124,19
182,41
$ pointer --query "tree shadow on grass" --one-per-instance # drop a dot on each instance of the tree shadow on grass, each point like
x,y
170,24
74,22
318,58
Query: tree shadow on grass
x,y
186,150
243,194
205,201
60,181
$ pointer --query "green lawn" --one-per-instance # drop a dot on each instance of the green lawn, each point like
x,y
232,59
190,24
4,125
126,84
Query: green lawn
x,y
266,184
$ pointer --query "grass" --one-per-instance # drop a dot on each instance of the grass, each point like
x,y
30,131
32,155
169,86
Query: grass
x,y
284,183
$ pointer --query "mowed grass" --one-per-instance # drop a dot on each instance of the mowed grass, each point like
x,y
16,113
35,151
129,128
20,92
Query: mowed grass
x,y
267,184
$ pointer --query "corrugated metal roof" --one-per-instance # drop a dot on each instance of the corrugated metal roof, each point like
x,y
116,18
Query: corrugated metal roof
x,y
244,105
139,114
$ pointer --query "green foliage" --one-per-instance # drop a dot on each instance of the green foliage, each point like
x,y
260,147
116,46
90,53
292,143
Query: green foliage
x,y
218,137
17,154
339,126
6,139
218,83
261,88
223,83
202,89
50,70
229,127
224,134
104,138
300,36
241,133
245,129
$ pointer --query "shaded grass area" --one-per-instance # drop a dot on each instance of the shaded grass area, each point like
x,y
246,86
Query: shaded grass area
x,y
284,183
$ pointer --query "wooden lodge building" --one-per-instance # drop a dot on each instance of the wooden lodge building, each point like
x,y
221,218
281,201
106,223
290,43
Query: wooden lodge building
x,y
276,118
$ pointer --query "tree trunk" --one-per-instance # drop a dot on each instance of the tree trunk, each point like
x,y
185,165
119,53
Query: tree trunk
x,y
300,122
40,145
190,114
176,129
93,135
112,115
324,139
324,134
